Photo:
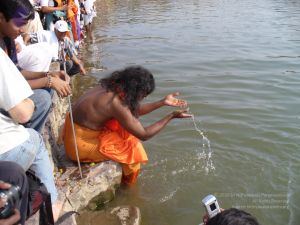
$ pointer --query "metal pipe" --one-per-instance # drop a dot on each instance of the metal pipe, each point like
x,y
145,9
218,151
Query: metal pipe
x,y
71,117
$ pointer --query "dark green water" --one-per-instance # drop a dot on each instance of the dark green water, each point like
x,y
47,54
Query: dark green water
x,y
237,63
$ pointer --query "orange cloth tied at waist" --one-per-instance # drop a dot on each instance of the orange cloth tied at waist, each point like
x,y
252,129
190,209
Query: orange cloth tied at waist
x,y
111,142
119,145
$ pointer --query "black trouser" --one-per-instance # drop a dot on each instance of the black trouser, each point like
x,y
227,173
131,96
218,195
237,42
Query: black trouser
x,y
12,173
71,67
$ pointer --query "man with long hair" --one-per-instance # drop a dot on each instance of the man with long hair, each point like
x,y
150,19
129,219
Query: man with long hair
x,y
107,124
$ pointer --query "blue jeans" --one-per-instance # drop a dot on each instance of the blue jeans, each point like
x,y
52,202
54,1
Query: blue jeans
x,y
33,154
42,99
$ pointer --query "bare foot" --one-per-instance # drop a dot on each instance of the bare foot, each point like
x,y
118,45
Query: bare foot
x,y
56,208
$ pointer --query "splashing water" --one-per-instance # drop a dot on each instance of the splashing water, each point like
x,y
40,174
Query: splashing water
x,y
169,196
205,153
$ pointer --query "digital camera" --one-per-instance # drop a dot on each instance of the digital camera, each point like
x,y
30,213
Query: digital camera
x,y
211,205
12,197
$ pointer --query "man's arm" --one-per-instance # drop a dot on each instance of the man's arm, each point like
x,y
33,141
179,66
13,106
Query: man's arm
x,y
134,126
79,63
50,9
22,112
30,75
169,100
41,80
71,52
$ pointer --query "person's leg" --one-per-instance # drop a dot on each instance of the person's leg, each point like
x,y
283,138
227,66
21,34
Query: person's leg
x,y
91,34
42,168
130,173
42,101
12,173
74,69
33,154
69,64
41,165
71,68
48,21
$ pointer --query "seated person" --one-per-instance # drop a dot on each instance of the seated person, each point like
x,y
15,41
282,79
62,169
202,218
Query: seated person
x,y
18,144
62,47
12,174
13,18
107,124
231,216
35,58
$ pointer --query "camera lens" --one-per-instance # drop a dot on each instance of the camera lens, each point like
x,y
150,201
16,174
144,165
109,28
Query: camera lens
x,y
12,196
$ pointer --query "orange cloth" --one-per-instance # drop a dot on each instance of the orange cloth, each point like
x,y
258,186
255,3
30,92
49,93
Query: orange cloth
x,y
121,146
72,14
87,142
112,142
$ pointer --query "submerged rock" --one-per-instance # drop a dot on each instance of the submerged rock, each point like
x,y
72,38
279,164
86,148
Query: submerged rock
x,y
121,215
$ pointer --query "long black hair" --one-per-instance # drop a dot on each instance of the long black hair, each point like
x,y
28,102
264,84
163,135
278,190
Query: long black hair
x,y
17,9
132,84
233,216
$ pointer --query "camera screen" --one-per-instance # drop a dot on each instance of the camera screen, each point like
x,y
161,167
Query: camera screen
x,y
213,207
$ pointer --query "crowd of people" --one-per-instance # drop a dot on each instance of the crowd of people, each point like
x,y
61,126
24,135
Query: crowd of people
x,y
34,34
29,43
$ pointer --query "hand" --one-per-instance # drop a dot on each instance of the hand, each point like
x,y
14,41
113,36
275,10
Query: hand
x,y
64,8
181,114
13,219
18,47
170,100
205,218
62,75
62,88
4,186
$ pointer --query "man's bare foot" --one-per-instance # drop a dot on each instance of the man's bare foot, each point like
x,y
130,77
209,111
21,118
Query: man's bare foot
x,y
56,208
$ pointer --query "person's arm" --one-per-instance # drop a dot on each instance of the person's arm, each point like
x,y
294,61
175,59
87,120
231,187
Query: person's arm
x,y
30,75
50,9
59,81
169,100
134,126
62,87
22,112
79,63
71,52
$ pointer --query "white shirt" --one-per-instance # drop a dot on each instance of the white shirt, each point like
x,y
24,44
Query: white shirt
x,y
13,90
47,3
88,6
51,39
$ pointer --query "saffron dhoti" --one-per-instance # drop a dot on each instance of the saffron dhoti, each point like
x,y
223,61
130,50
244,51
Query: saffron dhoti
x,y
112,142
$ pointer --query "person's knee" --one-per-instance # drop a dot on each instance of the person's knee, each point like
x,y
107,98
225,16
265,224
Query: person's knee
x,y
44,99
14,169
34,142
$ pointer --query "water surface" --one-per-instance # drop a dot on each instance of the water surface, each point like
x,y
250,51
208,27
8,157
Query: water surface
x,y
237,64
